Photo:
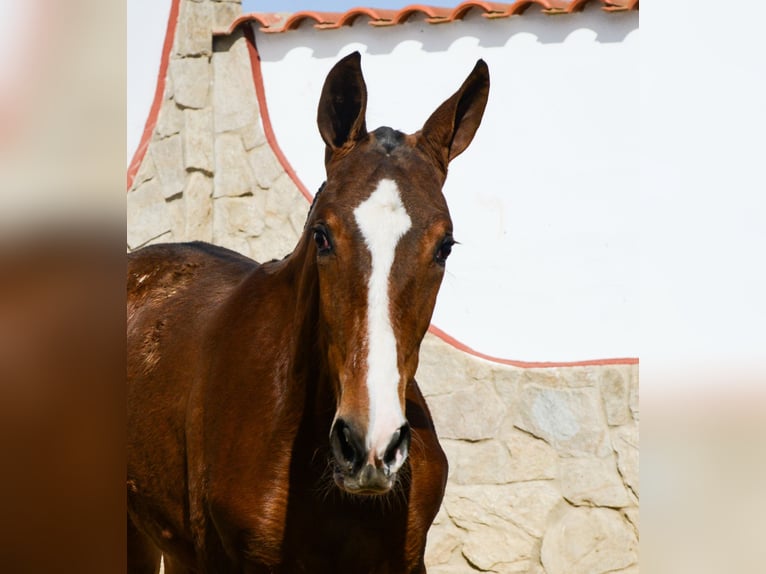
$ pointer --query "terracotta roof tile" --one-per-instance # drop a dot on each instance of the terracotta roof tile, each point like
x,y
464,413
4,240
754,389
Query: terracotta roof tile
x,y
433,15
348,18
276,23
490,9
322,19
621,6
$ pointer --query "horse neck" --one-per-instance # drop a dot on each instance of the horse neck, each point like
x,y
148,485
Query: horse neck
x,y
307,346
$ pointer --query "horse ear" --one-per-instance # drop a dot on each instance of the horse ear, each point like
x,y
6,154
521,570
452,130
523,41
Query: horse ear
x,y
452,126
343,105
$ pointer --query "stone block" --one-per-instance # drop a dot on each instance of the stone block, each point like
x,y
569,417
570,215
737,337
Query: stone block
x,y
198,140
507,381
170,120
238,216
536,568
561,377
592,482
497,549
286,209
198,197
194,34
529,504
444,539
490,541
147,214
170,88
625,441
286,212
266,168
269,246
191,81
167,155
234,98
524,505
253,136
483,462
224,13
460,568
633,399
233,176
570,420
177,215
531,458
235,219
443,369
589,541
472,413
614,386
146,171
632,515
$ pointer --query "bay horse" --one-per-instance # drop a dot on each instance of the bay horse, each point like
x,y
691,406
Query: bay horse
x,y
274,422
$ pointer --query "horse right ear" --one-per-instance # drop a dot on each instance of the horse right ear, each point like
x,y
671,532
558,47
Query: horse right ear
x,y
342,106
452,126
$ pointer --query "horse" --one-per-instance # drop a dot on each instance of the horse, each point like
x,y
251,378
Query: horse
x,y
274,420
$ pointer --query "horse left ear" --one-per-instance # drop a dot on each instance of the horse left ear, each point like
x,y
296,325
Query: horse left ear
x,y
343,105
449,130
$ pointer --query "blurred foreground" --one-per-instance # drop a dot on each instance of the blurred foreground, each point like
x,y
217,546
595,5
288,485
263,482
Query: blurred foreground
x,y
62,173
703,471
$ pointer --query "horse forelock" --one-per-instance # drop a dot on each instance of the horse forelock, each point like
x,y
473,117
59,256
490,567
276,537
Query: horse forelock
x,y
388,138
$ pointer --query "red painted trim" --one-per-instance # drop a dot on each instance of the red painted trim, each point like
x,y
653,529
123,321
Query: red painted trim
x,y
268,130
255,62
159,92
434,330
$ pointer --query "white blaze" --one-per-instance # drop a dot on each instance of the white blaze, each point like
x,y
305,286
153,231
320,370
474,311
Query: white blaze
x,y
383,220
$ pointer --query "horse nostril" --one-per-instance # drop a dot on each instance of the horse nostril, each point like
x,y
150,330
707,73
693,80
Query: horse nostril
x,y
346,446
400,444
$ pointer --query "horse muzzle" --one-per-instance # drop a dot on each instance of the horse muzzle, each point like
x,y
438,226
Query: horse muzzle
x,y
359,470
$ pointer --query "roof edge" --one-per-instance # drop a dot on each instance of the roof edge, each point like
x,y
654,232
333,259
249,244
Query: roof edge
x,y
275,23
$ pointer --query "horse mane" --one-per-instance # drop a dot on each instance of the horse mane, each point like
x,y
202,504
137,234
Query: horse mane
x,y
313,203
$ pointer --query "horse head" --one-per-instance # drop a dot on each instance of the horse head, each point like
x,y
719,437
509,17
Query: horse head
x,y
381,234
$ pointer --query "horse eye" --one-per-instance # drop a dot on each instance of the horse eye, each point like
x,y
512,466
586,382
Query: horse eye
x,y
322,241
444,250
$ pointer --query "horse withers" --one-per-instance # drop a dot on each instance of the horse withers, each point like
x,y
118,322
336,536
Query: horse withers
x,y
274,422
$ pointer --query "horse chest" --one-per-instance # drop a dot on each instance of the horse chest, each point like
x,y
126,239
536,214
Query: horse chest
x,y
366,542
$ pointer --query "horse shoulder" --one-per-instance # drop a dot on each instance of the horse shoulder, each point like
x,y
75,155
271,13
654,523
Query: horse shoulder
x,y
172,292
246,413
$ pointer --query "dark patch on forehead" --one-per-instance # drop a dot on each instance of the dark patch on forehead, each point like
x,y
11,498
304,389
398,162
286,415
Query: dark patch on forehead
x,y
388,138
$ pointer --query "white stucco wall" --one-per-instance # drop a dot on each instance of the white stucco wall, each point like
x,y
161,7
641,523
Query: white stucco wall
x,y
544,201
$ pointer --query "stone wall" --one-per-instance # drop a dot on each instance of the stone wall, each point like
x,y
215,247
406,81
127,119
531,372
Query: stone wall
x,y
543,462
209,173
543,465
